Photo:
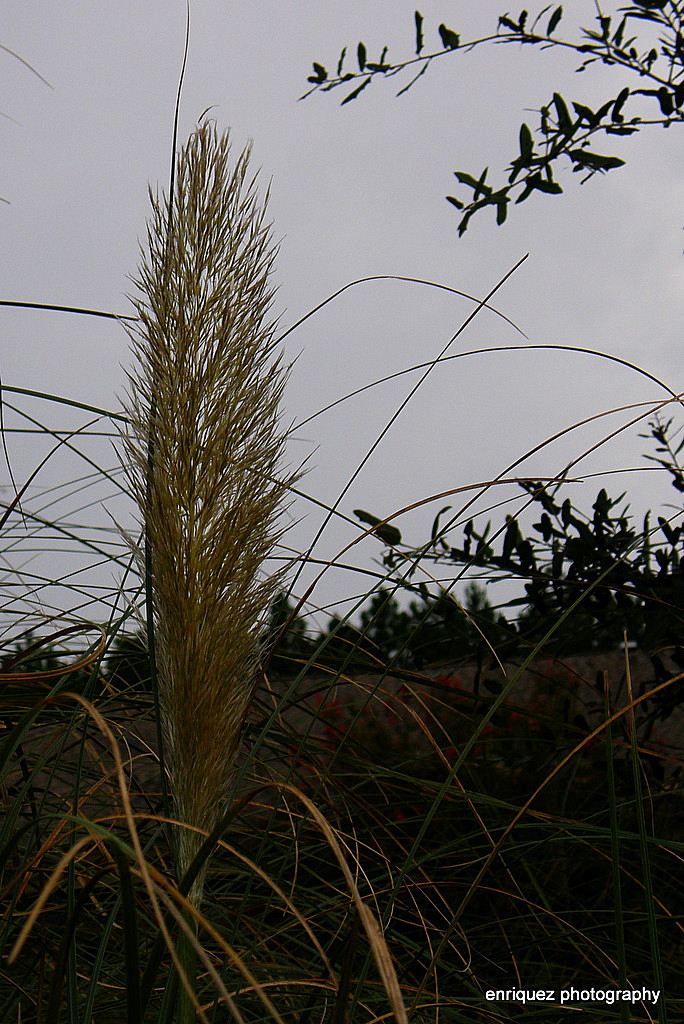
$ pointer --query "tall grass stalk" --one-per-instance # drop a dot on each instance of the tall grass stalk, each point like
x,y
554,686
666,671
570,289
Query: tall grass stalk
x,y
205,448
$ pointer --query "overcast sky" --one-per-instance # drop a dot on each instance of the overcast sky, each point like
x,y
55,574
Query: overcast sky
x,y
355,191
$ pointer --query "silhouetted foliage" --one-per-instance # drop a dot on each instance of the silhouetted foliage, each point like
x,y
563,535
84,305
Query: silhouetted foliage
x,y
588,579
649,90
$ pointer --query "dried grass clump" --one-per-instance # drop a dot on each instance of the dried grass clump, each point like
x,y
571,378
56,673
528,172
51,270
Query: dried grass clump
x,y
204,449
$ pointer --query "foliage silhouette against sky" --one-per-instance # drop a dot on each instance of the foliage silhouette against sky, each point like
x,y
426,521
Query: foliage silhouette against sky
x,y
645,71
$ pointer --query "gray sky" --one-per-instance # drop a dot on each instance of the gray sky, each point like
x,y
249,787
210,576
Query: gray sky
x,y
356,191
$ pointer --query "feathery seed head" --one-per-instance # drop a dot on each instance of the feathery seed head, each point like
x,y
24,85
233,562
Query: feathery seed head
x,y
204,449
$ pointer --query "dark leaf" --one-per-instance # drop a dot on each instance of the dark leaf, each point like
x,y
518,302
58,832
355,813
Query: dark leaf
x,y
621,130
528,190
540,494
583,158
361,55
482,189
419,32
340,63
584,113
450,40
672,535
415,78
466,179
539,16
564,119
544,527
355,92
463,223
617,38
665,100
526,144
619,104
386,533
435,525
512,538
554,19
536,182
478,186
526,555
662,559
603,504
602,111
320,74
517,166
679,46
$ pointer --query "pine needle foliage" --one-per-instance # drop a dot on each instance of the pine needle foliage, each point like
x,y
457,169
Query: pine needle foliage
x,y
205,451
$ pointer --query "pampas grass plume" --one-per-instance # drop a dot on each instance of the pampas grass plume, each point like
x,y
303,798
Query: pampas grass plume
x,y
204,451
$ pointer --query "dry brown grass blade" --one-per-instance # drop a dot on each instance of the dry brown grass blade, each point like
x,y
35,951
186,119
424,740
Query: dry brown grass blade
x,y
63,670
47,891
378,944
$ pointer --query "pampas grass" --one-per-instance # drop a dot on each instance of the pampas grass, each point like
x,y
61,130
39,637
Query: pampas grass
x,y
399,846
205,447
